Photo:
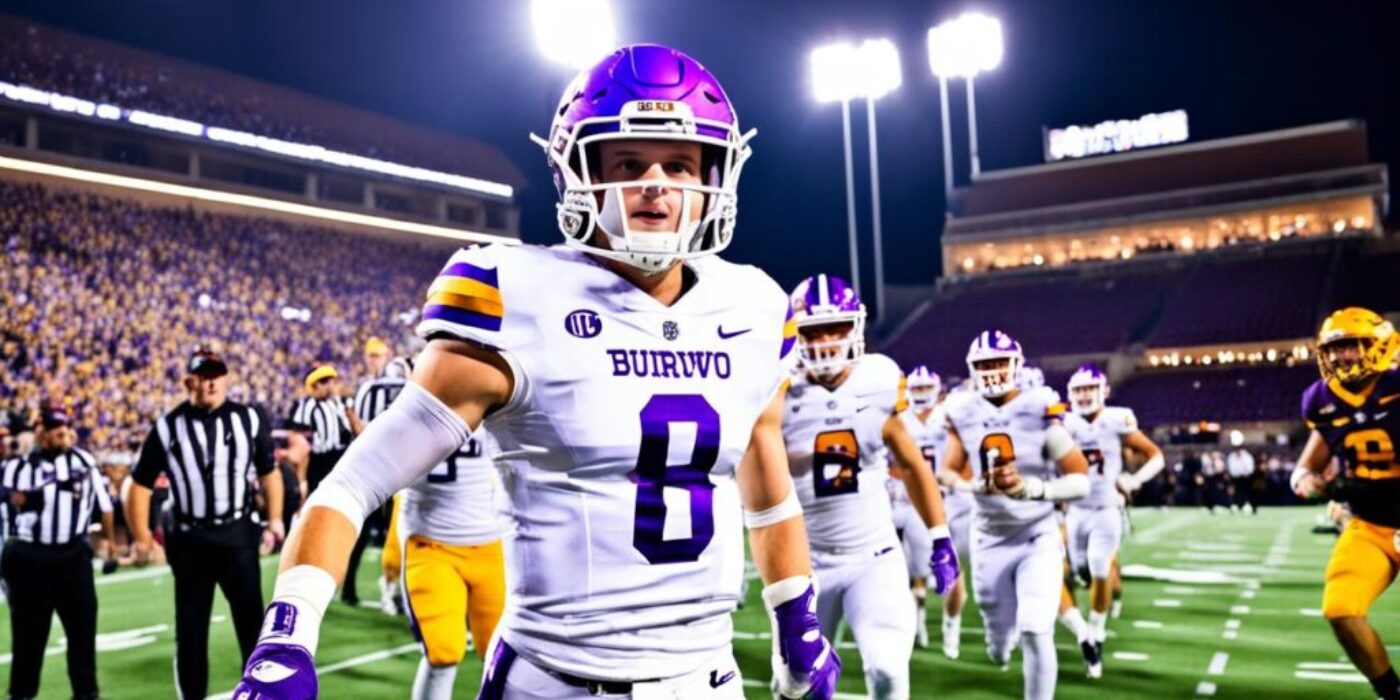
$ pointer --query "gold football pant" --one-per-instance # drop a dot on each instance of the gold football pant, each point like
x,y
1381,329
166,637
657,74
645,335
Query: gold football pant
x,y
1363,564
391,557
449,587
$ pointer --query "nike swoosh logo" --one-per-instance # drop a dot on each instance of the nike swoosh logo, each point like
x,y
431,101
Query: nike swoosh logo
x,y
717,680
727,336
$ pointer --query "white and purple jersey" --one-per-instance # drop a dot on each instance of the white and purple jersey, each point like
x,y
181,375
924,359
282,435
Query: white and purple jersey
x,y
621,439
456,502
836,451
1013,432
1101,440
930,433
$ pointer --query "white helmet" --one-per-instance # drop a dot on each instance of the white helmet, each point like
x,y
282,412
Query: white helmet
x,y
1088,390
924,387
994,345
824,300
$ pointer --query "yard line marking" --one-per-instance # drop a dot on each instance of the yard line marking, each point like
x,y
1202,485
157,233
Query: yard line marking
x,y
1230,634
1334,676
754,683
1166,603
1310,612
1248,594
1147,624
1232,624
1326,666
1180,590
1215,546
1239,609
1129,656
1217,663
1205,688
348,663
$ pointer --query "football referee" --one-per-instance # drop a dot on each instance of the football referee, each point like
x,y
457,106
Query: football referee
x,y
47,564
211,448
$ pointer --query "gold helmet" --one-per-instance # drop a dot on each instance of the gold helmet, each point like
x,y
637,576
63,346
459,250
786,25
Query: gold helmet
x,y
1379,344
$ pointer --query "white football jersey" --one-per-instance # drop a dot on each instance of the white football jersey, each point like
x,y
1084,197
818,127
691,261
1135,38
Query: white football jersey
x,y
1012,432
931,435
1102,443
627,422
836,451
455,503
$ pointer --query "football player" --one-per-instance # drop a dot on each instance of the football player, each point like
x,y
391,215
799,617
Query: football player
x,y
843,413
454,563
1095,523
1353,412
1011,448
634,382
928,425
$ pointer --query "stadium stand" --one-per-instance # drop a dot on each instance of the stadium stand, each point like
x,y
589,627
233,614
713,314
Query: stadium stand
x,y
52,59
1232,394
103,298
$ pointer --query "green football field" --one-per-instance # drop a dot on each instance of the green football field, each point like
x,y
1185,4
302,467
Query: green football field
x,y
1223,606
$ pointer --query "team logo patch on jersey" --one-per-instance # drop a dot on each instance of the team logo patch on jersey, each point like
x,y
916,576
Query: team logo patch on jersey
x,y
671,330
583,324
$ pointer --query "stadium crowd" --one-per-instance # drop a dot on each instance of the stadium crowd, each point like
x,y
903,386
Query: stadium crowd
x,y
103,299
65,63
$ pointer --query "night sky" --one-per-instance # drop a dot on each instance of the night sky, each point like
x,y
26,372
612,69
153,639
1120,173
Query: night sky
x,y
470,66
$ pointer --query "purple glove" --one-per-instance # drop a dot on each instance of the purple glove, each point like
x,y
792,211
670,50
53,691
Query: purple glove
x,y
804,664
944,564
278,672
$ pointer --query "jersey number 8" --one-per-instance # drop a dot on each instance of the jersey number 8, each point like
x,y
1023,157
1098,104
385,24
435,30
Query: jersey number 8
x,y
653,476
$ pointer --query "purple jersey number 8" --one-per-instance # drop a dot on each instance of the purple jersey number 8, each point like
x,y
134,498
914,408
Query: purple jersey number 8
x,y
653,476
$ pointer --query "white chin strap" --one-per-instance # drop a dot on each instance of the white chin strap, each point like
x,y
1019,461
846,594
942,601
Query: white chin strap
x,y
651,251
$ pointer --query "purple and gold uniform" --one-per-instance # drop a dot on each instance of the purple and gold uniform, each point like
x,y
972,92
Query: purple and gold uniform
x,y
1361,431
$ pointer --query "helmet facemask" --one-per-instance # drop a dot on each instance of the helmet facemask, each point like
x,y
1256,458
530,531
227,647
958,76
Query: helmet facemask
x,y
995,376
1088,399
1356,344
588,205
823,355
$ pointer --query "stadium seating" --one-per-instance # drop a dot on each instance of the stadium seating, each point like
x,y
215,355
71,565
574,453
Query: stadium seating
x,y
1234,394
103,299
71,64
1253,299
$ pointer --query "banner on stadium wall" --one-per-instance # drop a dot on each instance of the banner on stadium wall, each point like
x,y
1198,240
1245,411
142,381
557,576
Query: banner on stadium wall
x,y
1115,136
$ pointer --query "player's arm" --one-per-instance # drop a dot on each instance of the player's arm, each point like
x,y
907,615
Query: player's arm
x,y
956,472
1154,462
777,535
803,661
1307,478
916,471
1072,484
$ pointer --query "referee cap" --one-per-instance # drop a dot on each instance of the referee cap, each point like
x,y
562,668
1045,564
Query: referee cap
x,y
207,363
321,372
54,417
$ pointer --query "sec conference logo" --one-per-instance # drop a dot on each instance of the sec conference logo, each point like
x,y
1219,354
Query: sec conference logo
x,y
583,324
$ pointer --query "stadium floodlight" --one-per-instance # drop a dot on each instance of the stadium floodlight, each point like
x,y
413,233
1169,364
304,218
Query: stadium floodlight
x,y
834,79
962,48
879,70
576,33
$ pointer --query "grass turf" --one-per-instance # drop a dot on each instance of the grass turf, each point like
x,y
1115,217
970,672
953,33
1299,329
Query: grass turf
x,y
1173,640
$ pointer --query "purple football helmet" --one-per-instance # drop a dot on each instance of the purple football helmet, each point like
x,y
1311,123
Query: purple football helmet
x,y
656,93
1088,390
924,386
990,346
827,300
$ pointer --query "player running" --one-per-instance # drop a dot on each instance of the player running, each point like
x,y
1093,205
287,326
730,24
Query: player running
x,y
1353,412
635,384
1011,449
844,412
1095,522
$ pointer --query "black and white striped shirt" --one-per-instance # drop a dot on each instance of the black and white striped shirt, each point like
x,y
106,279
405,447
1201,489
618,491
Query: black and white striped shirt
x,y
325,418
59,490
375,395
211,458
